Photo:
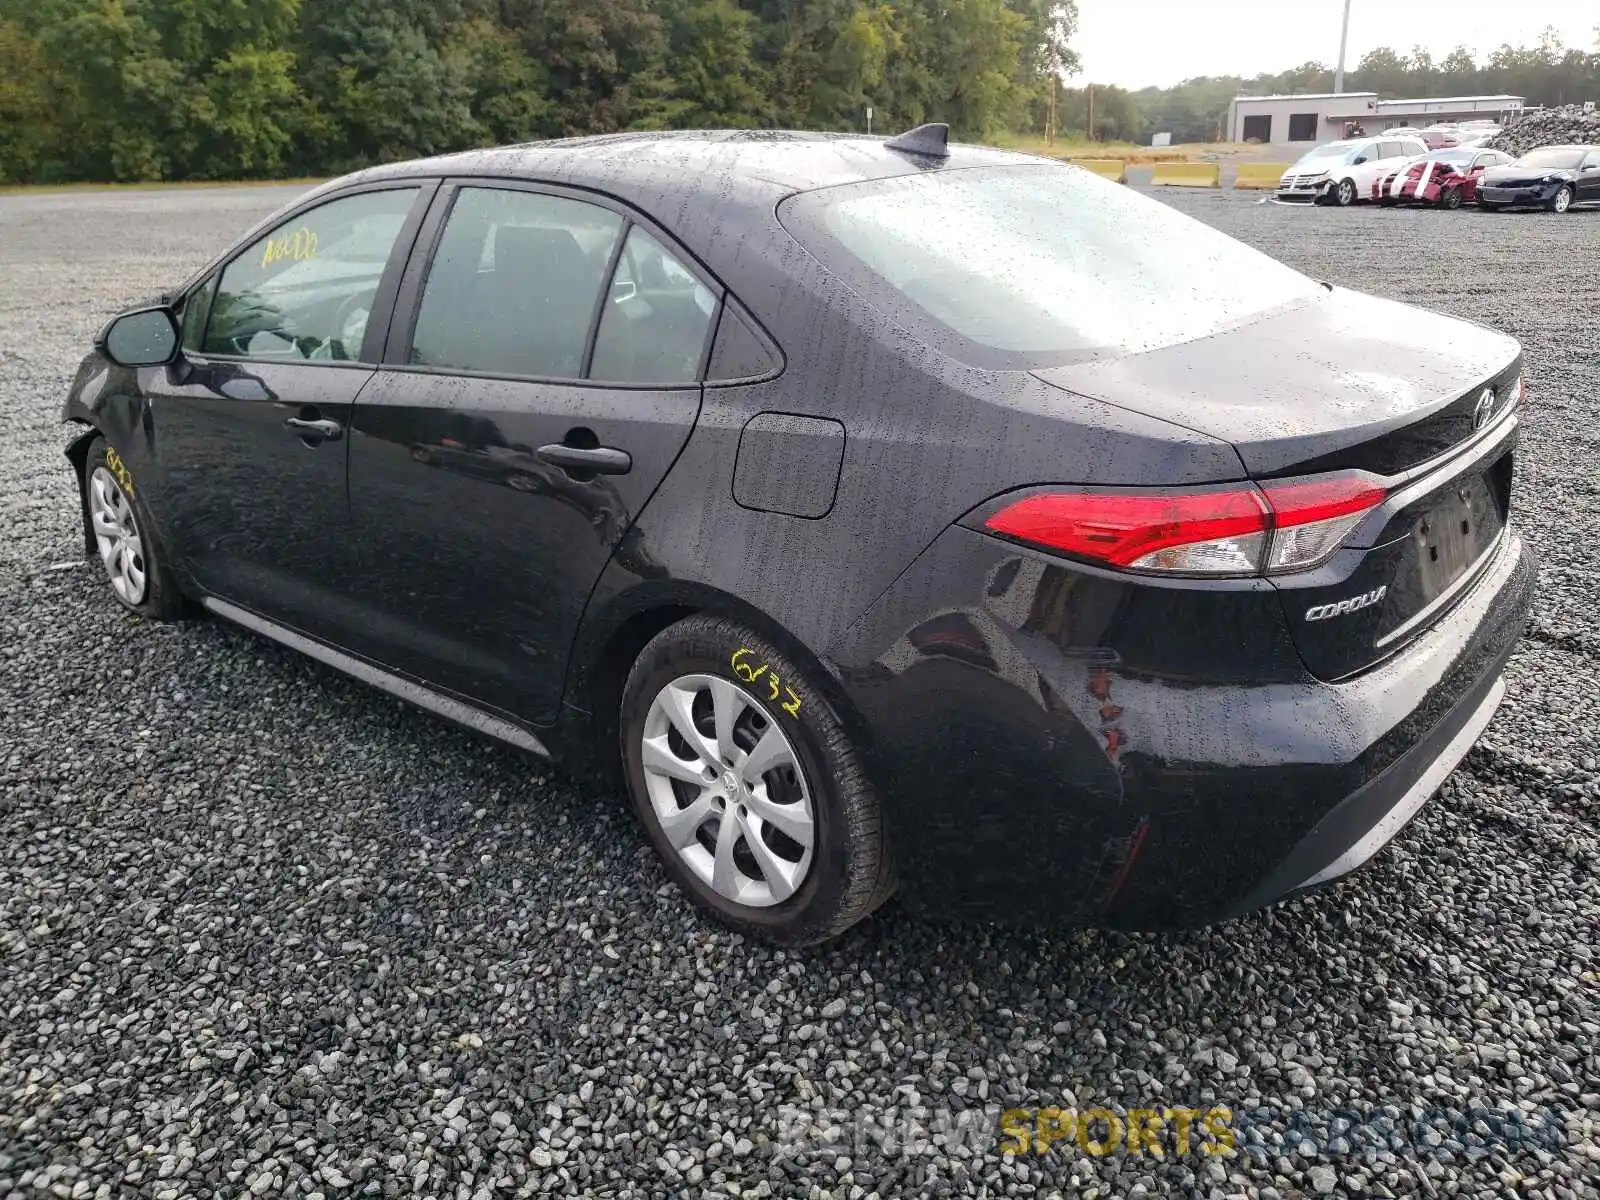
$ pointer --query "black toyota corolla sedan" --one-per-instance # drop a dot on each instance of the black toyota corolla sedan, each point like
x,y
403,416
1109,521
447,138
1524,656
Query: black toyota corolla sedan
x,y
879,514
1552,177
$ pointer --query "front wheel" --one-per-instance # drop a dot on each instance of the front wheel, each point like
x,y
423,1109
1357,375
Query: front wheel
x,y
1450,198
1562,200
124,536
1344,195
749,784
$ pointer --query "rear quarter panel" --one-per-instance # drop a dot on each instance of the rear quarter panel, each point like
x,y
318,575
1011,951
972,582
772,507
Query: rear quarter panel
x,y
926,439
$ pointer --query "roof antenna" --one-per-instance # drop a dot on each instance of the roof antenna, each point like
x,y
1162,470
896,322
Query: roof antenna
x,y
931,139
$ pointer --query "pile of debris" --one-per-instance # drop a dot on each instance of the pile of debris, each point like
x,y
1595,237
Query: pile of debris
x,y
1568,125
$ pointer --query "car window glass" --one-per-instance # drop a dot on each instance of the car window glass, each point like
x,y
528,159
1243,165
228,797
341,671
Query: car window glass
x,y
513,286
1044,261
1593,160
739,352
304,291
195,310
653,327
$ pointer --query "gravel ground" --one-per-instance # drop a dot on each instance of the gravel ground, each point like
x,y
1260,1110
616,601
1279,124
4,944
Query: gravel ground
x,y
266,931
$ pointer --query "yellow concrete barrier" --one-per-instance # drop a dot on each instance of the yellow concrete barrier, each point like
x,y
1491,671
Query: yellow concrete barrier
x,y
1259,175
1187,175
1114,169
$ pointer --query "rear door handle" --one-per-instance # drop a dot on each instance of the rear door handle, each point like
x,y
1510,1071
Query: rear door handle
x,y
322,430
603,460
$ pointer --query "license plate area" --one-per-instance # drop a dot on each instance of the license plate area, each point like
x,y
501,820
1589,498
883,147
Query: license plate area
x,y
1449,531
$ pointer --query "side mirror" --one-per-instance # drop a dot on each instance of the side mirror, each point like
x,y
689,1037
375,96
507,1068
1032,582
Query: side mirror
x,y
146,337
1360,158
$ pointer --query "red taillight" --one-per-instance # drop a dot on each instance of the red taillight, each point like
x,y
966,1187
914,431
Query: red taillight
x,y
1123,529
1240,530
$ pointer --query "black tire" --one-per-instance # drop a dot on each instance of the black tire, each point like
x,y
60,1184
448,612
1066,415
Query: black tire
x,y
1557,204
849,873
1344,193
1450,198
161,598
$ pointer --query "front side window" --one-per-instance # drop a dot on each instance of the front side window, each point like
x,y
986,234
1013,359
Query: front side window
x,y
653,328
304,292
1038,265
514,284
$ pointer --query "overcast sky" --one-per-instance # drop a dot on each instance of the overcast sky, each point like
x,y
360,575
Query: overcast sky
x,y
1136,43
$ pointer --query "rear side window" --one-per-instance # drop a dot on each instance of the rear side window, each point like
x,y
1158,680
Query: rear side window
x,y
1036,265
739,352
514,284
654,325
304,291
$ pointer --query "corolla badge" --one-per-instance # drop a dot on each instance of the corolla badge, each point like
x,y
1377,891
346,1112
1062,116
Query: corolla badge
x,y
1483,408
1321,612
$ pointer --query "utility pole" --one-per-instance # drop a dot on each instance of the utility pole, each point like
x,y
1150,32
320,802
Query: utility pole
x,y
1344,37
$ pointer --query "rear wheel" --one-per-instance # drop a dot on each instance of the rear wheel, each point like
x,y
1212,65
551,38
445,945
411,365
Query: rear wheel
x,y
749,785
124,536
1562,200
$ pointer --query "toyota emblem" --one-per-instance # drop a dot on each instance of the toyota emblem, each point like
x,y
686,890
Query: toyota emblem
x,y
1482,409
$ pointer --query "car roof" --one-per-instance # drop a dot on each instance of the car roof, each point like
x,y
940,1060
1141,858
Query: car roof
x,y
664,167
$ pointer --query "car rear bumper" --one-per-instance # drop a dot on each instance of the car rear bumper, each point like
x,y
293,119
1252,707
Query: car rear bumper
x,y
1039,763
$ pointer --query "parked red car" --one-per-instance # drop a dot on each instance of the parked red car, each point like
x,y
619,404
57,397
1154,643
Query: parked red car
x,y
1447,178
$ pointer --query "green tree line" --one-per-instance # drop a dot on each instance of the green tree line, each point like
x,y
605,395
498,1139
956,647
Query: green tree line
x,y
1548,73
211,89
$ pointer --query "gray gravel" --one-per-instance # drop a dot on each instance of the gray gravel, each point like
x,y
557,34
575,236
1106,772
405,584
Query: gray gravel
x,y
267,932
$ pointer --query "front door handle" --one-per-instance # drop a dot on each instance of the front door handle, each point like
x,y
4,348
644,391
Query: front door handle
x,y
322,430
602,460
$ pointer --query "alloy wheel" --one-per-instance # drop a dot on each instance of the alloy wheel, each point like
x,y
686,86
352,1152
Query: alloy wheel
x,y
1563,200
117,536
1347,192
728,790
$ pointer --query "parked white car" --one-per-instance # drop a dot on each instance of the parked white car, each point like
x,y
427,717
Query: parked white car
x,y
1343,172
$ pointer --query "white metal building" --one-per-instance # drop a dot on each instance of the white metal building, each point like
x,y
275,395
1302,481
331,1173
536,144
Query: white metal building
x,y
1326,116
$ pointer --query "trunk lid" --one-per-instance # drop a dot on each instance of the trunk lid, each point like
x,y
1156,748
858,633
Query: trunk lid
x,y
1352,382
1347,380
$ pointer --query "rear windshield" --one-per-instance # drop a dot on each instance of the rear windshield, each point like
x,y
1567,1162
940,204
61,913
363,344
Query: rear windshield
x,y
1036,265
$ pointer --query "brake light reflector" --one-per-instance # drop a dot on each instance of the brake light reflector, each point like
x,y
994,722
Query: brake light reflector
x,y
1243,529
1312,517
1210,533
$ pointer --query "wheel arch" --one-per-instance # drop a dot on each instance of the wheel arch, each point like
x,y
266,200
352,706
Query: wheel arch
x,y
77,453
614,634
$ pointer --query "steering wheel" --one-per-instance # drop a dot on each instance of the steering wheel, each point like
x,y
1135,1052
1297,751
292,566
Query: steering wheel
x,y
349,326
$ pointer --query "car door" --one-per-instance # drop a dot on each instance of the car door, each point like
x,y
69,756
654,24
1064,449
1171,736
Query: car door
x,y
249,424
542,375
1589,177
